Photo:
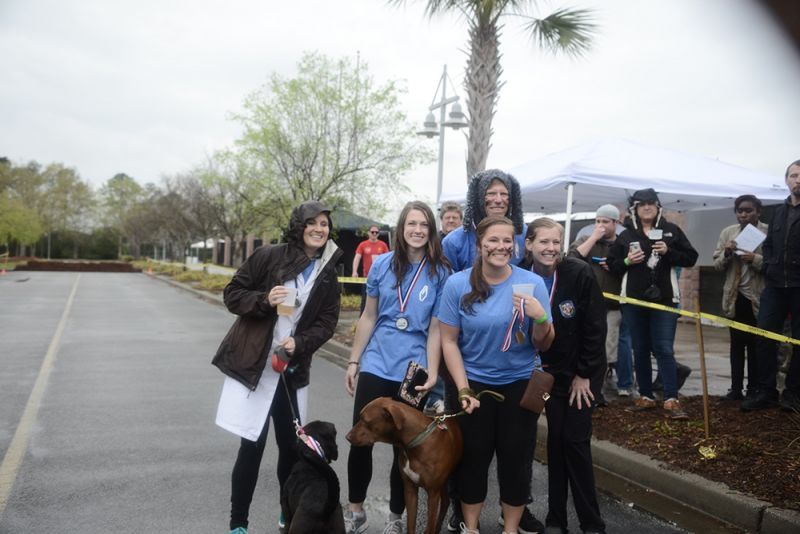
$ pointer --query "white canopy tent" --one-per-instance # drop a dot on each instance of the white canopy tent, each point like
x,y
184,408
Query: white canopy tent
x,y
608,171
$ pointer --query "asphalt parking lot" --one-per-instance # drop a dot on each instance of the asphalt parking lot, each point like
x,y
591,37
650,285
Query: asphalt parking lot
x,y
107,403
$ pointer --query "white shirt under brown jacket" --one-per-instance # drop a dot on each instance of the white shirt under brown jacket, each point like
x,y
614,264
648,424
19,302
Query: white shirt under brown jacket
x,y
739,276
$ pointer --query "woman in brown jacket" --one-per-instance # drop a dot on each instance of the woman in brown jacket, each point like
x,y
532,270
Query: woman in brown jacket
x,y
253,393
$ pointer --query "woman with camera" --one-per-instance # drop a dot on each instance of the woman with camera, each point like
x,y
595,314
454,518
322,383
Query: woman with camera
x,y
397,327
286,298
493,321
646,255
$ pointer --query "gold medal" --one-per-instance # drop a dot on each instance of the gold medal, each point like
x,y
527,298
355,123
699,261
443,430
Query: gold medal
x,y
520,337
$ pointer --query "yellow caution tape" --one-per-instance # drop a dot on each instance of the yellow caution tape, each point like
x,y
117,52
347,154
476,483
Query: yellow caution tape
x,y
702,315
352,280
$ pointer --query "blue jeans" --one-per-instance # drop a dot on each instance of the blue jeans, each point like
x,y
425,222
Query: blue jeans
x,y
624,366
653,331
776,304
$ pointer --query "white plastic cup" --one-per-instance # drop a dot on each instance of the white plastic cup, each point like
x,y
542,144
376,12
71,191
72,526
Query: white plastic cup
x,y
288,305
523,289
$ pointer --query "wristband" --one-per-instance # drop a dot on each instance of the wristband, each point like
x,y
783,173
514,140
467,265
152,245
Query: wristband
x,y
465,392
541,319
626,261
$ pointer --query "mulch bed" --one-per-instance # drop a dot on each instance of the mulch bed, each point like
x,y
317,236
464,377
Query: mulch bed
x,y
79,266
757,453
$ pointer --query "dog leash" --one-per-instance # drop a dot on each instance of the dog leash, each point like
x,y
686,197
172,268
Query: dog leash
x,y
440,419
310,442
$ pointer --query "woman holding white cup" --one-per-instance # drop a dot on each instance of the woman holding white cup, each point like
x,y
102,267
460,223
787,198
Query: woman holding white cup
x,y
286,298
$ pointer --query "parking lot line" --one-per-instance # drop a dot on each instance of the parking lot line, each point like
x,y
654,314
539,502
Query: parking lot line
x,y
19,443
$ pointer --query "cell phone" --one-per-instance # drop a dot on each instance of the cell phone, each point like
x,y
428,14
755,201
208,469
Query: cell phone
x,y
597,259
419,378
635,246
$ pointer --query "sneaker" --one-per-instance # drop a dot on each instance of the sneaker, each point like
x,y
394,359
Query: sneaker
x,y
393,526
281,523
674,410
683,372
456,519
528,524
464,530
642,403
355,523
760,401
625,392
239,530
733,395
790,401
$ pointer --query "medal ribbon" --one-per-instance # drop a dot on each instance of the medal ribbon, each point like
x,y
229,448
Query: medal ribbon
x,y
403,301
517,313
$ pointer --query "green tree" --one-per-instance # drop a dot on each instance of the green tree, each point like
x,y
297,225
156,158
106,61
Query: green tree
x,y
329,133
66,205
120,198
565,30
18,223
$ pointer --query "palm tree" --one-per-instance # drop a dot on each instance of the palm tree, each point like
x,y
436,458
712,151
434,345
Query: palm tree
x,y
568,31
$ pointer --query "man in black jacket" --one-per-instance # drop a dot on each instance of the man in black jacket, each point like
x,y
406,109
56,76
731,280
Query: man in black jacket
x,y
781,297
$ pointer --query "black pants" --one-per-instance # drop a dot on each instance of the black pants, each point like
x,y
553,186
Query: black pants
x,y
248,462
504,430
569,461
359,461
776,304
743,345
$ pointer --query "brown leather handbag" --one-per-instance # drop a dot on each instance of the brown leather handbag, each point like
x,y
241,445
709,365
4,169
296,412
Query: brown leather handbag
x,y
538,391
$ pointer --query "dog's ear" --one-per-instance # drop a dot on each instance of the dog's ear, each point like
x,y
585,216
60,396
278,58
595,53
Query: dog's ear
x,y
395,412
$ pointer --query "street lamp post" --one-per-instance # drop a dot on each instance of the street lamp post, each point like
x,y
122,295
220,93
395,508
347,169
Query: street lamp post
x,y
431,129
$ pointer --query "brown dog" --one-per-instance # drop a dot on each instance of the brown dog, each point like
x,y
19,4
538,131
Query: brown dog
x,y
426,463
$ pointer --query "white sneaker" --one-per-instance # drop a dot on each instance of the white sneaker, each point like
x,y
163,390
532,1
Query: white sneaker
x,y
465,530
393,526
355,523
624,392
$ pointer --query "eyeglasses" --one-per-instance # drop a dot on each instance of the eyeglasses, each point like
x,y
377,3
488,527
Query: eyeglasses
x,y
373,231
745,210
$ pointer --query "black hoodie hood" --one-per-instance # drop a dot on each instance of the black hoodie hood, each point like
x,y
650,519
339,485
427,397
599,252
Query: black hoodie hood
x,y
476,198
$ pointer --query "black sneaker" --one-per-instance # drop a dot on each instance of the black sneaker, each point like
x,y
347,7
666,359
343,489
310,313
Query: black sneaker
x,y
790,401
456,518
683,372
528,524
761,401
733,395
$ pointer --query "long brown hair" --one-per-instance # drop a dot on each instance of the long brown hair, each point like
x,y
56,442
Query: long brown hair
x,y
433,249
480,288
534,227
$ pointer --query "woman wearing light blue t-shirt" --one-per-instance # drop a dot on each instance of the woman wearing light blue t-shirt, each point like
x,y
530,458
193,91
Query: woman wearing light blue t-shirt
x,y
487,345
398,325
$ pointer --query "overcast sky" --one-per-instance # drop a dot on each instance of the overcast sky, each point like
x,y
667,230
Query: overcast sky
x,y
145,88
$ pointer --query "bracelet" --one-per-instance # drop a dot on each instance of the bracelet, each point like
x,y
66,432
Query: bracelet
x,y
626,261
541,319
465,392
352,363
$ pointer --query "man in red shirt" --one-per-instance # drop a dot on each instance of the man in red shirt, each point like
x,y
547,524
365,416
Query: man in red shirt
x,y
366,250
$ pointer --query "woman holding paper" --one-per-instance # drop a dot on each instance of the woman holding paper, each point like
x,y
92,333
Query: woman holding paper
x,y
742,291
577,354
300,277
397,327
493,318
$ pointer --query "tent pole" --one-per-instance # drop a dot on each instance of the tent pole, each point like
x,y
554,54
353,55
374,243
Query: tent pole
x,y
568,221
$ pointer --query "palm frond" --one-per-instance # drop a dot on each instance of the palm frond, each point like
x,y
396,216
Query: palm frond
x,y
569,31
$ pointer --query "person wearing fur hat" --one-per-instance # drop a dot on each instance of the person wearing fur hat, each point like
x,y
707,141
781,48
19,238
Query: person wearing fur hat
x,y
490,192
645,255
252,393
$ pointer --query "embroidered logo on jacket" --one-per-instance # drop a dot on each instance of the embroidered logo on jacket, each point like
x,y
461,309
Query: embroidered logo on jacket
x,y
567,309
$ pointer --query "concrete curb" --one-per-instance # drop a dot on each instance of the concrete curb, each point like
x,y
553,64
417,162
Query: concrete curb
x,y
708,498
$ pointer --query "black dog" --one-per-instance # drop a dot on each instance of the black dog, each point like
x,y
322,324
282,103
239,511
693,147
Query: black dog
x,y
310,496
